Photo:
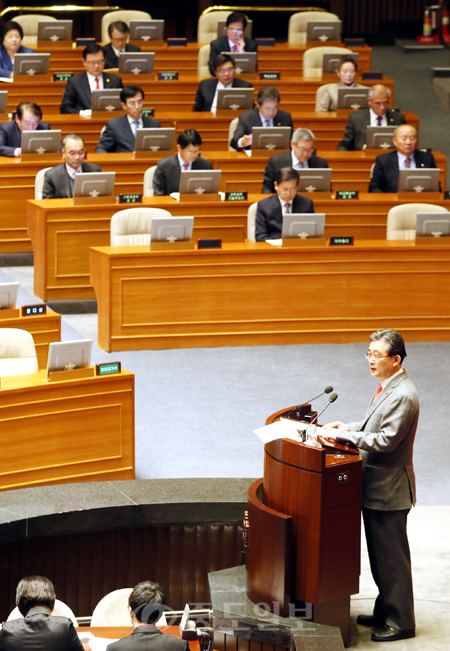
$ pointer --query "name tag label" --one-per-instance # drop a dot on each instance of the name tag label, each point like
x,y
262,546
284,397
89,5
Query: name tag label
x,y
148,112
236,196
168,76
372,75
130,198
265,42
209,244
108,369
176,42
341,241
269,75
446,194
347,194
33,310
62,76
354,42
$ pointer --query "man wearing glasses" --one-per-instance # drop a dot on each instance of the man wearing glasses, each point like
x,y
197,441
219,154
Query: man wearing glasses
x,y
233,40
386,437
224,69
58,182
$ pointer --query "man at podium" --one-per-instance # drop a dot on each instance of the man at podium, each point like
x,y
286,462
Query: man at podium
x,y
385,437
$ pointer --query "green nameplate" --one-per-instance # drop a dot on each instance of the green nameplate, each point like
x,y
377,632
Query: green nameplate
x,y
62,76
168,76
341,241
269,75
236,196
148,113
347,194
130,198
32,310
108,369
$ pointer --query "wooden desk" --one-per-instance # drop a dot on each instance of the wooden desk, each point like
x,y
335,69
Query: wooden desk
x,y
44,328
258,294
68,431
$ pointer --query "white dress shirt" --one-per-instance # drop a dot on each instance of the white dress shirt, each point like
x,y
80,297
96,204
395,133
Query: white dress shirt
x,y
219,85
401,161
374,119
283,211
296,164
182,163
92,84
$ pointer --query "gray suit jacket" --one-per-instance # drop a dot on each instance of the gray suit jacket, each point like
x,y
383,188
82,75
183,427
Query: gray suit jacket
x,y
386,438
355,132
118,137
59,185
148,638
168,171
285,160
77,95
39,631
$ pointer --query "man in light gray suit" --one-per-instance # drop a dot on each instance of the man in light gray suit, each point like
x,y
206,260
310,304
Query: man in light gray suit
x,y
386,437
58,182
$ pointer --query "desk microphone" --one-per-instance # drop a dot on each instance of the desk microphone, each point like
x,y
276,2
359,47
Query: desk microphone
x,y
331,399
296,409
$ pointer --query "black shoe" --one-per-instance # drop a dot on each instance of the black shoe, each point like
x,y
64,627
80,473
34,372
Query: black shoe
x,y
389,634
369,620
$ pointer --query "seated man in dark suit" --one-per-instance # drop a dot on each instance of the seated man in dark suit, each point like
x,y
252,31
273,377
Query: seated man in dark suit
x,y
378,114
234,39
270,211
224,69
28,118
168,170
266,114
118,33
406,156
78,93
119,134
58,182
301,156
146,605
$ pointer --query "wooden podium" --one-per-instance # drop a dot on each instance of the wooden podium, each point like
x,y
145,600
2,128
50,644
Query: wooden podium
x,y
304,519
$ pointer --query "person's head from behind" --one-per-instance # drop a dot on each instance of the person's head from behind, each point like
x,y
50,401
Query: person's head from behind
x,y
378,99
28,116
303,144
146,602
132,100
346,70
235,26
267,100
93,59
118,33
286,183
224,68
35,591
189,145
73,150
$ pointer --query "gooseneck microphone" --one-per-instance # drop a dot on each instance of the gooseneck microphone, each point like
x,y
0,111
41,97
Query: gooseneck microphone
x,y
331,399
295,413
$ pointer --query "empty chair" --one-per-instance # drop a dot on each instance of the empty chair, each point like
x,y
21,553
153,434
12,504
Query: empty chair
x,y
17,352
231,130
298,24
313,59
133,226
401,220
148,181
112,610
208,25
30,24
39,183
123,14
60,609
203,60
251,221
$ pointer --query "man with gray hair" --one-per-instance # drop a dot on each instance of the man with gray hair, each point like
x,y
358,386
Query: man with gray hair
x,y
385,437
377,115
301,156
58,181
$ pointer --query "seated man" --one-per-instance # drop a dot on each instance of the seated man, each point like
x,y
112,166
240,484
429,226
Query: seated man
x,y
224,69
78,93
327,95
168,170
301,156
118,33
28,118
270,211
119,134
265,115
233,40
378,114
406,156
146,604
58,182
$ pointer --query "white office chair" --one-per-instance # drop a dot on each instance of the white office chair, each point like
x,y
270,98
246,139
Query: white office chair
x,y
231,130
148,181
208,24
112,610
60,610
298,24
203,60
133,226
401,220
123,14
251,221
313,59
39,183
17,353
29,24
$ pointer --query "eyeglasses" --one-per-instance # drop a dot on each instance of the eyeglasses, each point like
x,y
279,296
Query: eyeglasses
x,y
372,355
287,190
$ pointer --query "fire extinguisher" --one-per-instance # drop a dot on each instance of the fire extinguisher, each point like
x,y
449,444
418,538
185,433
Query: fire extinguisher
x,y
427,22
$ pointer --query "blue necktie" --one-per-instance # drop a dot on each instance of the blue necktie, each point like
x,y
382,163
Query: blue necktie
x,y
135,127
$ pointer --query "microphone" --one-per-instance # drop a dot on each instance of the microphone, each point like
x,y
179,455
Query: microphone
x,y
295,410
331,399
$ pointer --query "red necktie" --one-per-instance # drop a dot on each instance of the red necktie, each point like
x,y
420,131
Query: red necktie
x,y
97,86
185,166
377,392
234,48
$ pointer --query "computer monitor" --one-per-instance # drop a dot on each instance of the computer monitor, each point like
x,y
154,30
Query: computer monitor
x,y
433,224
352,98
303,225
146,30
419,180
315,179
235,98
380,137
331,61
69,355
107,99
55,30
155,139
244,62
3,100
172,229
222,26
94,184
41,142
31,64
136,63
200,181
271,137
323,30
8,295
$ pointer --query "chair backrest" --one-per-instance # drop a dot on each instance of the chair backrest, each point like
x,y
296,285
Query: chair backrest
x,y
203,60
313,59
39,183
123,14
133,226
60,610
112,610
401,220
251,220
148,181
29,24
298,24
207,25
17,352
231,130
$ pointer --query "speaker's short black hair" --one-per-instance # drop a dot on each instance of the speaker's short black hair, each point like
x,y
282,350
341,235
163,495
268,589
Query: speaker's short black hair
x,y
147,602
286,174
130,91
34,591
119,25
221,59
92,48
189,137
237,17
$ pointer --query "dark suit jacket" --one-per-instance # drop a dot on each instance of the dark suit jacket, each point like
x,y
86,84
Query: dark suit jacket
x,y
11,136
207,89
39,631
59,185
77,96
168,172
111,59
221,44
251,119
148,638
285,160
355,132
385,172
118,136
269,217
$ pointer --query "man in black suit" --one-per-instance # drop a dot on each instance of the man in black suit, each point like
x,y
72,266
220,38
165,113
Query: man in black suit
x,y
234,39
224,69
118,33
301,156
168,170
266,114
119,134
270,211
406,156
28,118
378,114
146,605
58,182
78,93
